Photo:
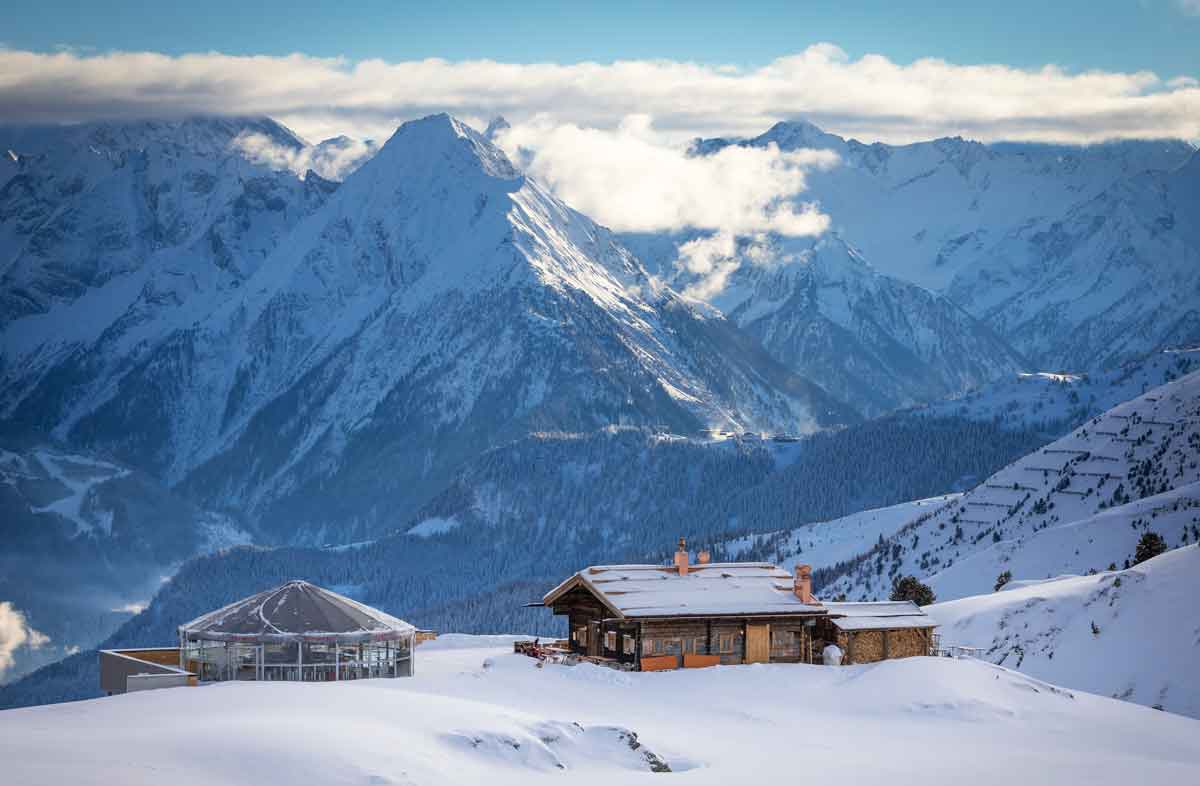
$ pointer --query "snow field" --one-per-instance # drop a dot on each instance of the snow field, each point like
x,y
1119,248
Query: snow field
x,y
476,713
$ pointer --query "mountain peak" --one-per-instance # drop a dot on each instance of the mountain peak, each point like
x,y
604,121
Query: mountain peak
x,y
442,140
798,133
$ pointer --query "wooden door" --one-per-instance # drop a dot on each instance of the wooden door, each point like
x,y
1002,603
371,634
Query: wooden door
x,y
758,643
594,643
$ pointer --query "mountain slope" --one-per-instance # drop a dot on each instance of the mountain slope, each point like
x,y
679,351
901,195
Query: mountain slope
x,y
1057,402
1113,276
87,542
872,340
1065,251
1130,634
437,303
1079,503
115,237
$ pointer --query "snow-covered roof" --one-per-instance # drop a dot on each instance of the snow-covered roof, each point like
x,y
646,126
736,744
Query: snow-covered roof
x,y
708,590
296,610
886,615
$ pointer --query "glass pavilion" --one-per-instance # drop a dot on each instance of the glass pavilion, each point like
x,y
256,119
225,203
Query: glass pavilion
x,y
298,631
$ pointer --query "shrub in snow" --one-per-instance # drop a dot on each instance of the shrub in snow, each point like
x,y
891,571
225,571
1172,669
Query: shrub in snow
x,y
910,588
1002,579
1149,546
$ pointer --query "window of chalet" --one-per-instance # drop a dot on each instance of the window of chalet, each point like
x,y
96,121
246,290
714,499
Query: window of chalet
x,y
783,639
630,645
700,644
725,642
610,640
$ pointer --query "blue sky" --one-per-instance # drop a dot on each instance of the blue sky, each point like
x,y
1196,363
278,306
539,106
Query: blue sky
x,y
1050,71
1120,35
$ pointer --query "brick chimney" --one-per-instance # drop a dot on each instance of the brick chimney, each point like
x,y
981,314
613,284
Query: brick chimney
x,y
681,558
802,586
704,557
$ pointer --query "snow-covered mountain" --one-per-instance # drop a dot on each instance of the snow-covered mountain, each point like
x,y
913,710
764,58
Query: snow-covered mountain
x,y
873,340
1065,251
436,303
1111,277
1081,503
1130,634
87,542
825,544
1058,401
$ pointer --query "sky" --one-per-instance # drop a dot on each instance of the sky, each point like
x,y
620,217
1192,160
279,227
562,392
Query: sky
x,y
1119,35
1066,71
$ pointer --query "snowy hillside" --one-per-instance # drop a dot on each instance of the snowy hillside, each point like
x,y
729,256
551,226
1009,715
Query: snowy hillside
x,y
873,340
1077,256
1056,402
823,544
1080,503
1132,634
102,534
477,713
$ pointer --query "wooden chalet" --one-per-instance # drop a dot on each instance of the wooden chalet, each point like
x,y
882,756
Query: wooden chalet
x,y
653,617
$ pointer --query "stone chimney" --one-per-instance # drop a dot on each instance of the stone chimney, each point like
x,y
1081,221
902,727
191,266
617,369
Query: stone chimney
x,y
704,557
681,558
802,586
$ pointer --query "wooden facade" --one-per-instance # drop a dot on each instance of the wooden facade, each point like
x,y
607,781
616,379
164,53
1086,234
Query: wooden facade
x,y
682,641
626,615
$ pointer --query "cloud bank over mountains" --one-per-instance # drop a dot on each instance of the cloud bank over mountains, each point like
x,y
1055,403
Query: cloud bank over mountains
x,y
872,97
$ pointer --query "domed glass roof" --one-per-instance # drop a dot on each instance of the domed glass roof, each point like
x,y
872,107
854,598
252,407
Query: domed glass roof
x,y
296,611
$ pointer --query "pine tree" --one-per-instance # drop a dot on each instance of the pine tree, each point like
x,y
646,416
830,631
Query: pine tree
x,y
910,588
1002,579
1149,547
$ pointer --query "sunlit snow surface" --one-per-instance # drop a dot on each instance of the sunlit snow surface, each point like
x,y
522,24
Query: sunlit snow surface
x,y
475,713
1133,634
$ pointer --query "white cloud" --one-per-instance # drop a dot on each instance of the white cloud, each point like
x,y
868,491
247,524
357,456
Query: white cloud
x,y
871,97
1190,7
713,260
635,179
332,159
14,634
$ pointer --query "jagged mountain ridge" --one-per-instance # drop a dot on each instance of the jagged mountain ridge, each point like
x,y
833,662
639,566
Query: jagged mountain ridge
x,y
1012,232
436,303
873,340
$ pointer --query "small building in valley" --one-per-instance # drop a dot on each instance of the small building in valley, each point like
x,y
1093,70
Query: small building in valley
x,y
652,617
